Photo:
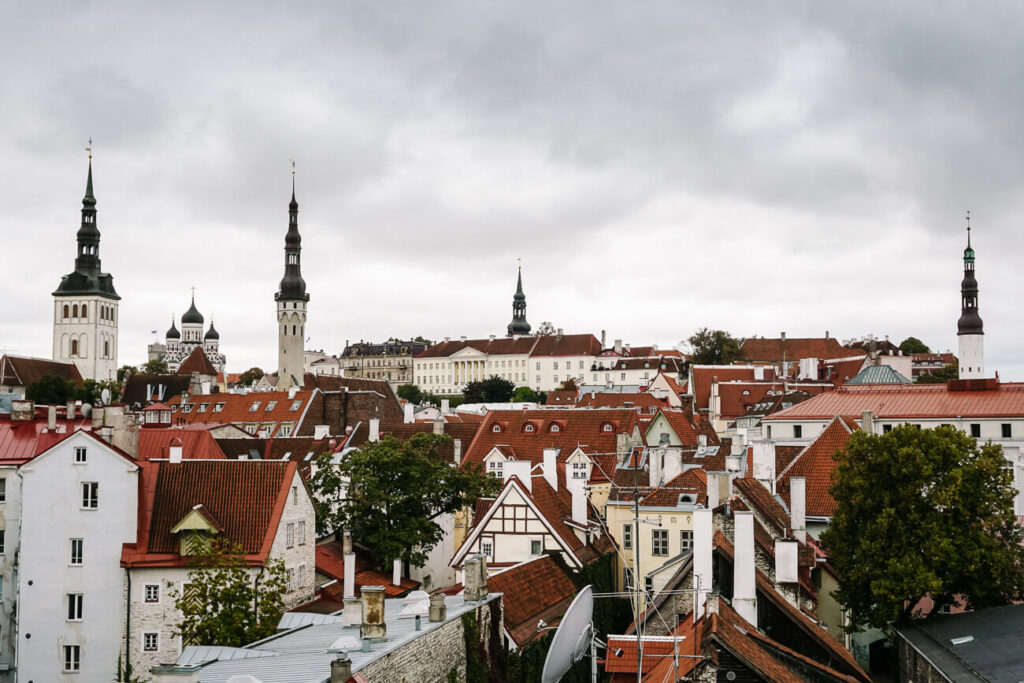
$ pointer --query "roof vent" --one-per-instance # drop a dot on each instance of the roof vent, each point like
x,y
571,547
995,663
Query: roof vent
x,y
963,640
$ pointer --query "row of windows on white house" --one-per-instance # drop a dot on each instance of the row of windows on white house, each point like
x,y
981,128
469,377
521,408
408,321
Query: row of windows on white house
x,y
219,407
521,377
73,312
1006,429
578,470
660,546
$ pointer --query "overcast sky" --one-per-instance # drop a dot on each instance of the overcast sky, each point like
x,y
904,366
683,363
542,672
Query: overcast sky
x,y
658,167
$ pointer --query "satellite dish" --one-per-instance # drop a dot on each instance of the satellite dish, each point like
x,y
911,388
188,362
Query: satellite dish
x,y
572,638
105,397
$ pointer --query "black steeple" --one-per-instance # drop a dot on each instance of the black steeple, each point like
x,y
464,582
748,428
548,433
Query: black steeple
x,y
970,321
173,332
192,315
519,324
87,278
293,287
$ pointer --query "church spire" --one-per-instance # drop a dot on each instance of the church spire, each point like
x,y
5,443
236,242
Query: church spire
x,y
87,261
970,331
519,324
293,287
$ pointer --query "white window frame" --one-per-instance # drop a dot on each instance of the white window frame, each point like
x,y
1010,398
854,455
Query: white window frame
x,y
71,552
81,454
72,658
156,641
75,602
685,540
627,536
90,495
146,593
289,534
537,541
300,532
487,546
659,543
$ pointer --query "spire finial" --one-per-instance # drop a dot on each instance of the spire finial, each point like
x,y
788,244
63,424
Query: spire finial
x,y
293,178
193,295
968,228
89,148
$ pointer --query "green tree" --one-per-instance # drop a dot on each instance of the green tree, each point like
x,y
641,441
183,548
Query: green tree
x,y
155,367
494,389
524,395
51,390
249,376
224,603
568,385
912,345
922,512
389,493
947,373
428,342
411,393
713,347
90,391
545,329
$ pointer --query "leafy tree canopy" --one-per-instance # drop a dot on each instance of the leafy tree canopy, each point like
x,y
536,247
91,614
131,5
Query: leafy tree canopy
x,y
913,345
249,376
155,367
223,602
949,372
494,389
422,340
713,347
389,493
545,329
524,395
51,390
922,512
411,393
569,385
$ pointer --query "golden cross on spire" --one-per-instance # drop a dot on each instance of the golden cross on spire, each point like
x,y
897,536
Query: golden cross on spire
x,y
193,294
89,148
519,263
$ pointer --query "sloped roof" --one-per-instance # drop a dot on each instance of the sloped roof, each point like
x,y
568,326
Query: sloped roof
x,y
683,426
791,348
245,496
238,408
841,370
197,362
704,375
567,345
561,397
737,397
877,374
693,480
196,443
330,561
758,496
23,371
536,589
908,401
816,465
20,441
464,431
639,401
140,385
497,346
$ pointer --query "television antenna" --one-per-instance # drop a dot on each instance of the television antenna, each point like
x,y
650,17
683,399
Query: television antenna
x,y
573,637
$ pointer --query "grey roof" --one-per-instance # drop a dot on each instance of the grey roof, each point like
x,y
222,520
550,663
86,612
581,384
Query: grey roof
x,y
878,374
995,651
301,654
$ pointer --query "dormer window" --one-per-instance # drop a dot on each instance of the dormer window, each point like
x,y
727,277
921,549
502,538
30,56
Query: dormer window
x,y
218,407
606,428
528,428
203,407
496,428
186,408
270,405
254,407
296,405
555,428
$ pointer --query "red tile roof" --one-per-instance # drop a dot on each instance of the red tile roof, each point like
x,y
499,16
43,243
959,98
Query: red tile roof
x,y
196,443
22,371
816,465
693,481
839,370
238,409
758,496
909,401
656,649
246,497
703,375
567,345
552,345
792,349
683,426
330,561
564,428
534,590
641,402
561,397
737,397
197,362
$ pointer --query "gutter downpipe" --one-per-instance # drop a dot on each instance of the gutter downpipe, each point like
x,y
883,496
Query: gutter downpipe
x,y
127,671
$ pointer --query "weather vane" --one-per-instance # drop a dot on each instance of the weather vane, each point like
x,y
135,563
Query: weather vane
x,y
89,148
293,165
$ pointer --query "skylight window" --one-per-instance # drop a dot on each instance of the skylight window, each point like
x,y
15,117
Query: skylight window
x,y
254,407
296,405
270,405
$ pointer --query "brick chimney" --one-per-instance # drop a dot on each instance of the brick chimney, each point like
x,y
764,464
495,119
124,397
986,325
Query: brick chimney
x,y
373,626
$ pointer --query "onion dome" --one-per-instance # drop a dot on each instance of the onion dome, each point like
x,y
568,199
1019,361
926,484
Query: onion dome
x,y
192,315
173,332
212,333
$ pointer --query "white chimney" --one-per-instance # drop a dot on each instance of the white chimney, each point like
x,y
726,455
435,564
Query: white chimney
x,y
702,441
292,390
798,507
577,487
701,557
714,491
396,572
374,429
51,418
744,591
764,463
438,425
174,451
321,432
655,457
551,467
457,449
446,406
759,372
671,464
867,422
618,346
409,419
350,568
519,469
786,556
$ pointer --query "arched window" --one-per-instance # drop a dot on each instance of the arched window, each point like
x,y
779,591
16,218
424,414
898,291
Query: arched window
x,y
293,330
67,311
74,311
496,428
85,311
106,349
74,347
284,329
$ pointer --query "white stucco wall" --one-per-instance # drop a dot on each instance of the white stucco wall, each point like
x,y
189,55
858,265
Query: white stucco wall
x,y
52,515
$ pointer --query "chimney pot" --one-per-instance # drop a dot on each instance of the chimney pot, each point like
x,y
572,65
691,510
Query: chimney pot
x,y
446,406
438,610
71,410
341,670
797,507
471,578
396,572
409,419
744,598
551,467
438,425
457,449
51,418
867,422
374,429
352,612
